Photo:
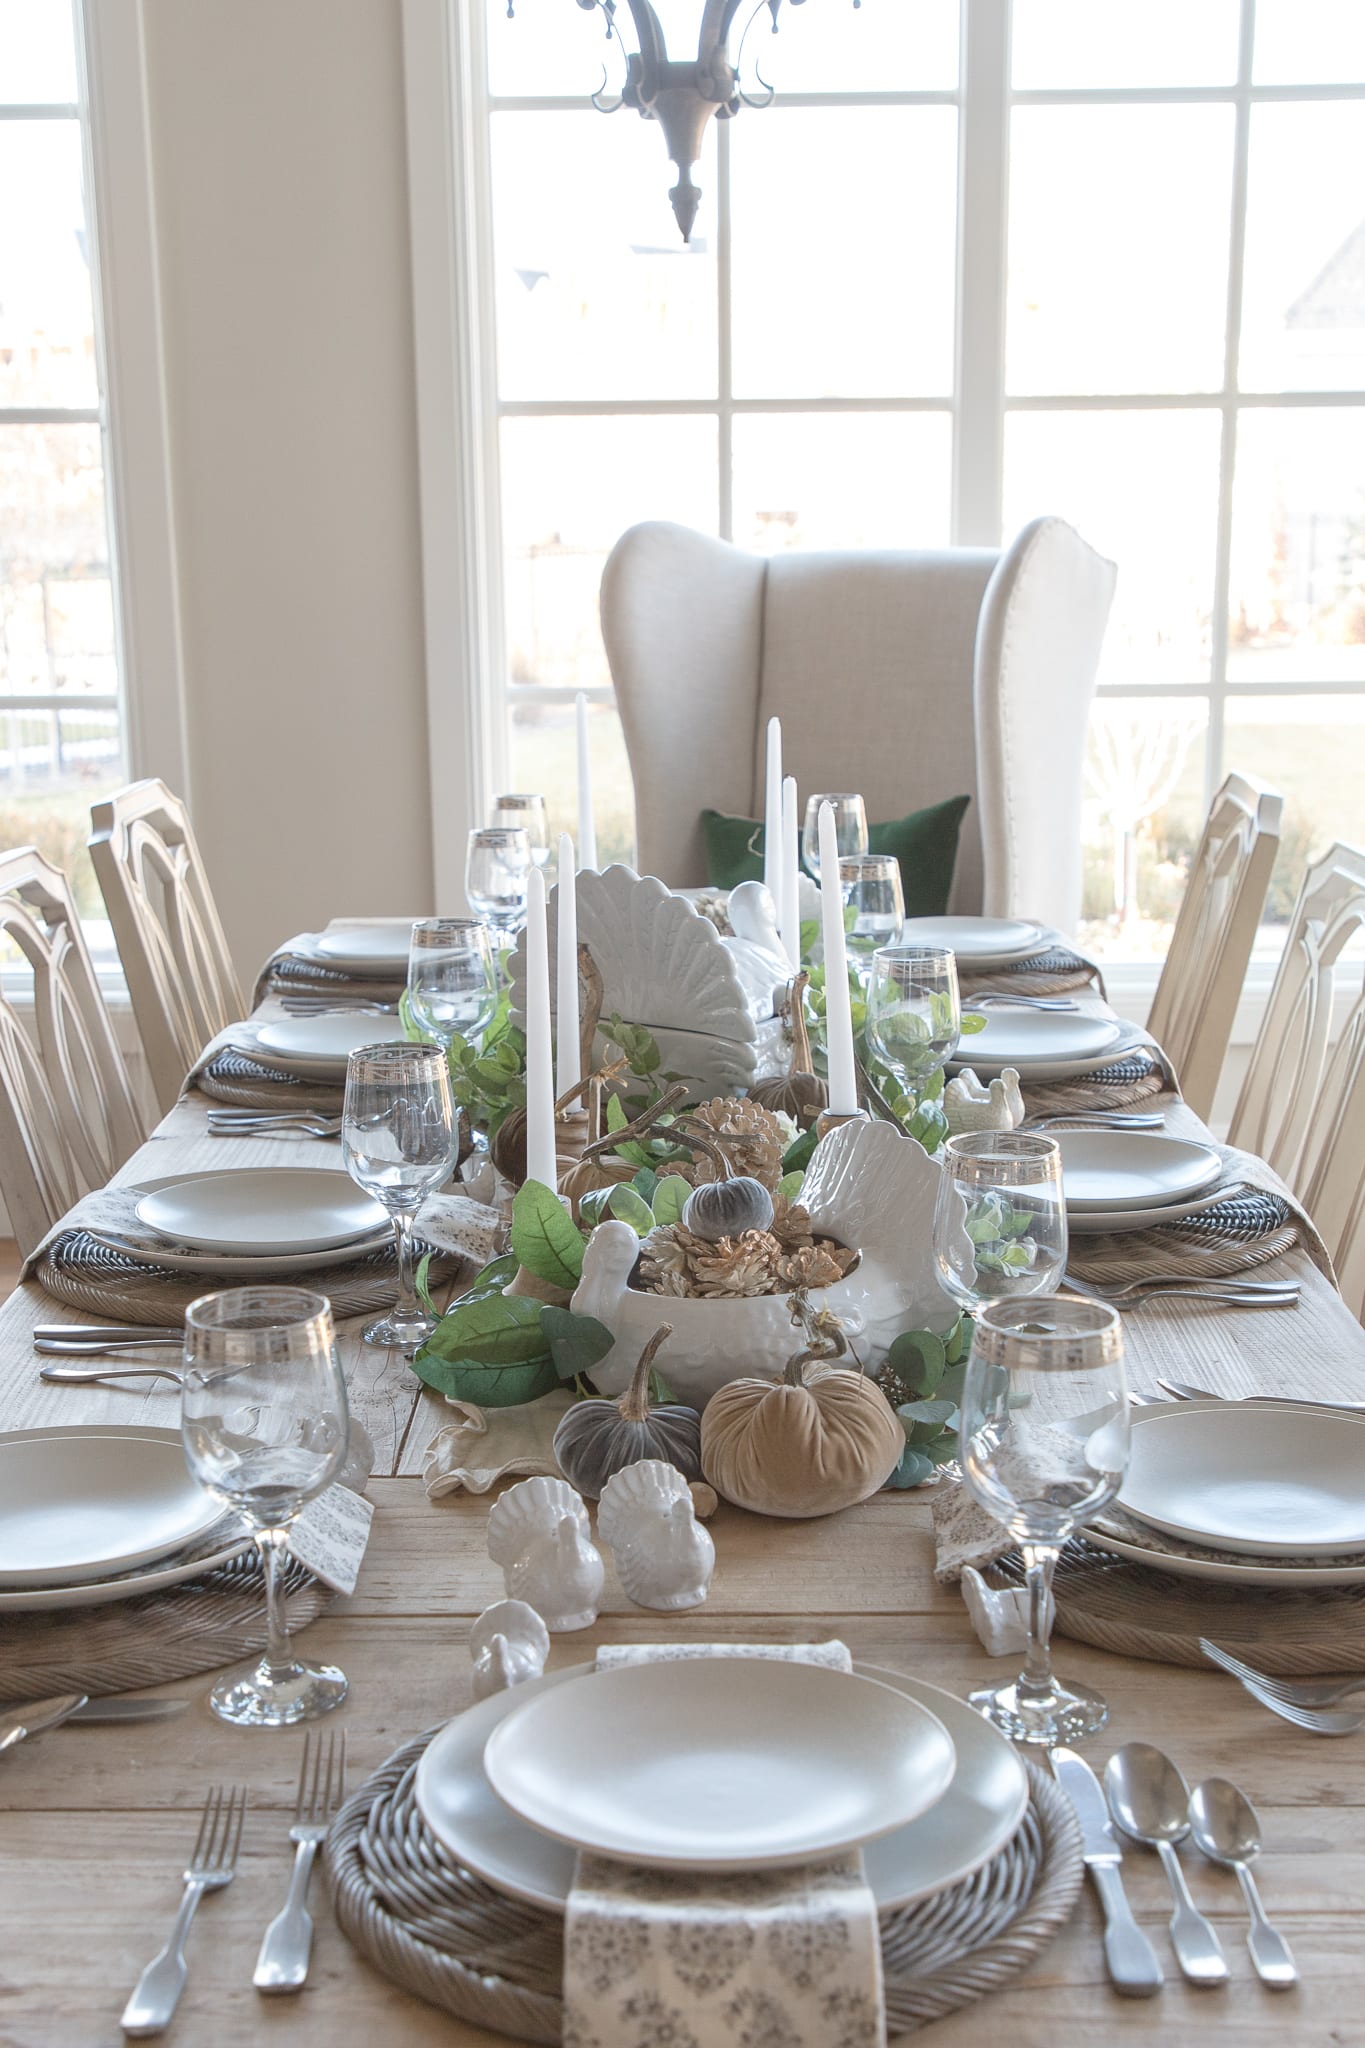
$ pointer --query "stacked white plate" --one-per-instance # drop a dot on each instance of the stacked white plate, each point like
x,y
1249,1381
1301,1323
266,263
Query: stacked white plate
x,y
979,941
315,1048
1247,1493
100,1512
721,1763
1131,1180
377,948
255,1223
1041,1045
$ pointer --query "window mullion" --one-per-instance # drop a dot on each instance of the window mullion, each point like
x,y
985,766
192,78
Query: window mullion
x,y
725,435
982,243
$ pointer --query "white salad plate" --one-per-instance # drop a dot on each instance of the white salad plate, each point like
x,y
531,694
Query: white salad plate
x,y
1042,1045
719,1763
263,1212
1118,1170
1100,1222
378,947
1258,1480
976,1816
985,941
79,1503
324,1041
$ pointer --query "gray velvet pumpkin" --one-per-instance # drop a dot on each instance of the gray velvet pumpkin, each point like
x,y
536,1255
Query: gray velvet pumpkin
x,y
597,1438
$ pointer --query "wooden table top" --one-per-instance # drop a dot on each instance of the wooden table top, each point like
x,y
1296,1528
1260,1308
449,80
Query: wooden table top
x,y
98,1821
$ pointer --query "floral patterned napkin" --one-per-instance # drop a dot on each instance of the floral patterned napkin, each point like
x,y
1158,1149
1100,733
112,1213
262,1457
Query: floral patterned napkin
x,y
759,1959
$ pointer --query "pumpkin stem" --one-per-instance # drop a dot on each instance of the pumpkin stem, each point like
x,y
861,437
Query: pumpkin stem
x,y
796,1020
641,1125
634,1403
571,1095
706,1143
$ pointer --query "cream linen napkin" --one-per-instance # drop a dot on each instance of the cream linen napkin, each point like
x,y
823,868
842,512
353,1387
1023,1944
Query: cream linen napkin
x,y
488,1444
762,1959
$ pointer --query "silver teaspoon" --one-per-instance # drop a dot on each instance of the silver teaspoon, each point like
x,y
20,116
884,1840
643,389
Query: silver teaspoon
x,y
1227,1830
1150,1801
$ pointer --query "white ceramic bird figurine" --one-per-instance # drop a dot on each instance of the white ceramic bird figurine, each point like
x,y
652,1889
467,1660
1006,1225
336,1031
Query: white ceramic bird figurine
x,y
538,1533
664,1558
970,1105
509,1643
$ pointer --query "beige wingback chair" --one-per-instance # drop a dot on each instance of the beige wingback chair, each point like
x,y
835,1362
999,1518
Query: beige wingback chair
x,y
909,676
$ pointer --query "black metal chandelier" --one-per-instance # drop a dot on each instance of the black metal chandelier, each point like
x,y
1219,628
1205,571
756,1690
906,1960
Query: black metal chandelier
x,y
682,94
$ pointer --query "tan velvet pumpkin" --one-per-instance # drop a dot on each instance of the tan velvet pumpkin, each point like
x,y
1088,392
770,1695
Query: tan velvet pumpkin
x,y
819,1439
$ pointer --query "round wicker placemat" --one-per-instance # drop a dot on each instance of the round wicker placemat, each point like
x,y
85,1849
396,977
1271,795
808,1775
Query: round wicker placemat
x,y
1244,1230
1128,1080
1058,973
86,1273
453,1940
231,1077
1117,1605
192,1627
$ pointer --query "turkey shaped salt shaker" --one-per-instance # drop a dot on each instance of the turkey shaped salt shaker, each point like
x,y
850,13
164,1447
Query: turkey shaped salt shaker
x,y
538,1532
509,1643
664,1558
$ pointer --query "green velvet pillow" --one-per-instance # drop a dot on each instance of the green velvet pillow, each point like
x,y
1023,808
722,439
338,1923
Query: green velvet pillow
x,y
925,844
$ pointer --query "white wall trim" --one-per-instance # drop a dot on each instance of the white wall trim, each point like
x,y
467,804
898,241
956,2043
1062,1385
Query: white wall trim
x,y
111,53
448,202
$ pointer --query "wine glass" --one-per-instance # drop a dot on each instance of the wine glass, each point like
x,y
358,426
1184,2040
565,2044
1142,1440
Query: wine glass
x,y
399,1142
264,1424
850,828
451,979
914,1011
1000,1221
871,884
496,867
1044,1436
529,811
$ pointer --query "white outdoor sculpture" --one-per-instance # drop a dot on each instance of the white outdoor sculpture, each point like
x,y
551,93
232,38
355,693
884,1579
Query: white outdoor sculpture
x,y
509,1643
538,1532
664,1558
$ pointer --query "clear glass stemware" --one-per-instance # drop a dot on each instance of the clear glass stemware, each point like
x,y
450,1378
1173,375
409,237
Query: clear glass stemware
x,y
871,883
399,1142
1000,1220
264,1424
522,808
1044,1434
914,1011
452,983
850,827
496,867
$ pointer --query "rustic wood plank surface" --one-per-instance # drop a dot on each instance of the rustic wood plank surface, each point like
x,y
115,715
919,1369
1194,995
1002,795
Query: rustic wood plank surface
x,y
98,1821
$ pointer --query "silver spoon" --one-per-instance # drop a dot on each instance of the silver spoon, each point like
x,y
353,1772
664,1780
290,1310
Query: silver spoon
x,y
1227,1830
1150,1801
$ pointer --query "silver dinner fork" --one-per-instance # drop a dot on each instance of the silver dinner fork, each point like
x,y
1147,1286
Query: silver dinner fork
x,y
1317,1720
1295,1692
1245,1293
1100,1119
1002,1000
229,1123
212,1864
282,1964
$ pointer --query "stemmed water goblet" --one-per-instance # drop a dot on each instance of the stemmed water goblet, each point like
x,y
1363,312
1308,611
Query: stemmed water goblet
x,y
264,1425
850,827
399,1142
1044,1434
871,884
914,1012
1000,1220
496,869
521,808
452,982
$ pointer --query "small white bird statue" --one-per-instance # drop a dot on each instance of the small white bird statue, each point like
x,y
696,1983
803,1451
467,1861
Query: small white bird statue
x,y
538,1532
970,1105
664,1558
509,1643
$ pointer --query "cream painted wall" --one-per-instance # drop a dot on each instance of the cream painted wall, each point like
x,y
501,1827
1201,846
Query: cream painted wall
x,y
278,149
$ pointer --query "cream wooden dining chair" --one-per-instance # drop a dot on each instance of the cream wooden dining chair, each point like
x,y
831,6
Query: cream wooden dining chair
x,y
913,677
67,1116
1302,1104
180,976
1201,980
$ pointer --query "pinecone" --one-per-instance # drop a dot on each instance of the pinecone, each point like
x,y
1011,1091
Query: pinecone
x,y
791,1224
750,1136
815,1265
735,1267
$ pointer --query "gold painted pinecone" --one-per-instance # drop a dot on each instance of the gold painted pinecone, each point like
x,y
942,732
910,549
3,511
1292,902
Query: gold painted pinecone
x,y
814,1265
750,1136
674,1261
791,1224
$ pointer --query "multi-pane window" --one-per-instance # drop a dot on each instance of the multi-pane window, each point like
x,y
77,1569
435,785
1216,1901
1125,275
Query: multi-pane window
x,y
60,728
1181,292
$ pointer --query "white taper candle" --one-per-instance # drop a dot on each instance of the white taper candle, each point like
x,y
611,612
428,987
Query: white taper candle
x,y
540,1087
568,1069
587,835
789,914
843,1080
772,816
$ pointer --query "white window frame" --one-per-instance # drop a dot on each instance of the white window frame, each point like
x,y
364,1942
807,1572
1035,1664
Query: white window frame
x,y
458,413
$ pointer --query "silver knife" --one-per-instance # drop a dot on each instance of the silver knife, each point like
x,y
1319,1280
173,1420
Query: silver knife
x,y
1132,1960
74,1709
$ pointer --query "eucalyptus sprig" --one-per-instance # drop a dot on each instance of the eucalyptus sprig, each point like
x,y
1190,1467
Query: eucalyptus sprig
x,y
922,1378
918,1111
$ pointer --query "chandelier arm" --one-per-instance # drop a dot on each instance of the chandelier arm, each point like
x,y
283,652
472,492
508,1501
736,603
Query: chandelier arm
x,y
717,18
650,37
769,92
602,100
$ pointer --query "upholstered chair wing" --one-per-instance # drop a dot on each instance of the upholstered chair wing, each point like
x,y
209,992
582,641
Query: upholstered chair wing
x,y
68,1119
180,976
909,676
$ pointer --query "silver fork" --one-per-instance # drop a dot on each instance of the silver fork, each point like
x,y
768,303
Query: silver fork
x,y
247,1123
212,1864
282,1964
1101,1119
331,1006
1248,1293
1317,1720
1295,1692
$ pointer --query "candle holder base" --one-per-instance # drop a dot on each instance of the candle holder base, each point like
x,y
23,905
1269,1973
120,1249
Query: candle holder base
x,y
831,1120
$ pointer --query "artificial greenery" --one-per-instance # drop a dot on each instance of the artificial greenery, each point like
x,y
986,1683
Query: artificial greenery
x,y
999,1234
918,1111
922,1378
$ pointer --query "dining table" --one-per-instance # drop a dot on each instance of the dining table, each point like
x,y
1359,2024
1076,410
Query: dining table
x,y
98,1820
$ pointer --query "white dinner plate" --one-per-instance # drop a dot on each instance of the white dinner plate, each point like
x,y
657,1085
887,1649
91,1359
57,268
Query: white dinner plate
x,y
380,947
263,1212
328,1038
1127,1170
719,1763
1042,1045
984,941
79,1503
1261,1481
972,1821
